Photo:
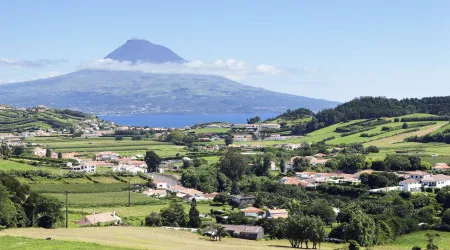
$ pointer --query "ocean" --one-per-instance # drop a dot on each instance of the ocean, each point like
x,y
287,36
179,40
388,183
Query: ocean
x,y
180,121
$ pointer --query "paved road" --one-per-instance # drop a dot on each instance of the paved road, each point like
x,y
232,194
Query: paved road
x,y
170,180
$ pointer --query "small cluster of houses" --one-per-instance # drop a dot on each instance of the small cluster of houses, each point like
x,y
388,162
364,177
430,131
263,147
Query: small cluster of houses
x,y
163,190
313,179
417,180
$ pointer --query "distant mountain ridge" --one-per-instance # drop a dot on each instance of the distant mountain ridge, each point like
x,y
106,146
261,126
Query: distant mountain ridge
x,y
135,92
137,50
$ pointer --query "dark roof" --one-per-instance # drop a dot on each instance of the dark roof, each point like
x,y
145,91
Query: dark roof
x,y
243,228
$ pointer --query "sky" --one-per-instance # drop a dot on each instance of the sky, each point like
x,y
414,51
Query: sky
x,y
335,50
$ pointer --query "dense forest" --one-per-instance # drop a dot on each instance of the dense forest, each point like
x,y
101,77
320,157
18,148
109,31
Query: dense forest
x,y
377,107
372,108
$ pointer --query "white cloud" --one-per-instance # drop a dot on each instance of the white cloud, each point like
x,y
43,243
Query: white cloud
x,y
231,68
4,79
268,69
30,63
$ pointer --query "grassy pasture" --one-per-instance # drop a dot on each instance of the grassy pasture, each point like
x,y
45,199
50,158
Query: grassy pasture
x,y
79,188
12,165
160,238
23,243
112,199
125,147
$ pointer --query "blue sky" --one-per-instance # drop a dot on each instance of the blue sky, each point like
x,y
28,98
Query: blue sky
x,y
335,50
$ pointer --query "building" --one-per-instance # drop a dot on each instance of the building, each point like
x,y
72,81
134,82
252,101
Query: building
x,y
128,168
106,156
243,200
155,193
253,212
411,185
418,175
436,181
270,126
277,213
441,167
88,167
108,218
245,232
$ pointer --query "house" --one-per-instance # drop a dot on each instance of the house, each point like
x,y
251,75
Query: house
x,y
243,200
292,181
128,168
411,185
436,181
39,151
160,184
418,175
106,156
101,219
270,126
210,196
253,212
155,193
88,167
245,232
441,167
277,213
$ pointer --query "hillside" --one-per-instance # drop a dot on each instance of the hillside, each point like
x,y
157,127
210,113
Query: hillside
x,y
135,92
127,92
18,120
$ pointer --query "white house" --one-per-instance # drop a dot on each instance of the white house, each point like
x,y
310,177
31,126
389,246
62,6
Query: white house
x,y
411,185
253,212
101,218
85,166
436,181
441,167
418,175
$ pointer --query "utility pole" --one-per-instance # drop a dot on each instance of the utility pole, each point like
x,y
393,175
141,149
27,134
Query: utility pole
x,y
67,211
129,193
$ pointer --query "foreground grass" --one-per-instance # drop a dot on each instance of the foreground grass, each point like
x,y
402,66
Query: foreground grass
x,y
160,238
42,244
408,241
148,238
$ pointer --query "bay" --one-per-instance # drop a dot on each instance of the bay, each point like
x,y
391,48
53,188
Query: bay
x,y
181,120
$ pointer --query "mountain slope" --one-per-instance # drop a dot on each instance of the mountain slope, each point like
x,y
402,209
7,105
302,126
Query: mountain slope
x,y
136,50
125,92
128,92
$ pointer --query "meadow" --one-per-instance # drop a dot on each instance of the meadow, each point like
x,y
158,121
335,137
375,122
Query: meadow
x,y
90,146
160,238
23,243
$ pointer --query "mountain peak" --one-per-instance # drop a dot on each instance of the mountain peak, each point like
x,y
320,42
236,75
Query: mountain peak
x,y
140,50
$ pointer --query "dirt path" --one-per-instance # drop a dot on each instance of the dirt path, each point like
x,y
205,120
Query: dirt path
x,y
402,137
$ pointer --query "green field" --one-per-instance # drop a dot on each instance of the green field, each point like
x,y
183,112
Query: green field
x,y
12,165
23,243
90,146
79,188
160,238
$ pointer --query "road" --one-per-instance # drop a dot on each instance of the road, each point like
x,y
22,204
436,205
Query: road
x,y
170,180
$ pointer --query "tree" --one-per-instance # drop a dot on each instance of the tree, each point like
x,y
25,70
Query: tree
x,y
5,151
228,140
60,156
446,217
222,198
361,228
119,138
216,231
48,211
153,220
194,215
174,215
7,209
351,163
431,244
323,210
443,197
253,120
152,160
48,153
405,125
136,138
397,163
282,166
18,150
233,164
